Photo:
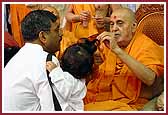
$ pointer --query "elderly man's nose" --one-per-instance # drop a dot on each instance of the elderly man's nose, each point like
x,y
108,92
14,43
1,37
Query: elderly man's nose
x,y
114,28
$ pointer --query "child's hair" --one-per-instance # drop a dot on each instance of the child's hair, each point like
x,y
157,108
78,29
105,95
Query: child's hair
x,y
78,58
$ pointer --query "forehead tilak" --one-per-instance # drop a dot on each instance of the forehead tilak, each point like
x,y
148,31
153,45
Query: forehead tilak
x,y
114,17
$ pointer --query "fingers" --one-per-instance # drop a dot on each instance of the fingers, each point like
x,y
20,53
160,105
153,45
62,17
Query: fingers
x,y
50,66
85,15
107,43
108,39
104,36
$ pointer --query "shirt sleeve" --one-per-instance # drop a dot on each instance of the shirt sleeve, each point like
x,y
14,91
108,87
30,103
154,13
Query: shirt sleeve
x,y
44,89
55,60
78,93
62,83
45,95
70,89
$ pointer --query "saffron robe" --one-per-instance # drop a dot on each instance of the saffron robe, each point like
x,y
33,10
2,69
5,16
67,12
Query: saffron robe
x,y
74,31
77,28
17,13
114,86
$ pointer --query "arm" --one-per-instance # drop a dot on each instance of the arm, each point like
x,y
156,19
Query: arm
x,y
69,90
61,80
143,73
44,92
71,17
78,94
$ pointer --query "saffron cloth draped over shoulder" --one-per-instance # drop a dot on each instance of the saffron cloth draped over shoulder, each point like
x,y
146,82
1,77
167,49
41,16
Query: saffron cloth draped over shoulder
x,y
114,86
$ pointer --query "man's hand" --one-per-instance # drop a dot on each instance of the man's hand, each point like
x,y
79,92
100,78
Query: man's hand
x,y
84,15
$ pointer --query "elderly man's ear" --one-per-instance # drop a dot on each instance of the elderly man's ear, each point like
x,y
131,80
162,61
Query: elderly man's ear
x,y
42,37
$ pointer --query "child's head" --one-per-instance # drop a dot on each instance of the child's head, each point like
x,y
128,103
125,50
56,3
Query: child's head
x,y
78,58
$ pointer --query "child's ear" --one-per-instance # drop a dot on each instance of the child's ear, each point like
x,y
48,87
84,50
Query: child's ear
x,y
42,37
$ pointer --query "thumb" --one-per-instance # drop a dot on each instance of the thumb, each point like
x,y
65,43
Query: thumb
x,y
107,43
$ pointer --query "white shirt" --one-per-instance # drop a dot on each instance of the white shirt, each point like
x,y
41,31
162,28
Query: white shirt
x,y
26,86
25,83
69,90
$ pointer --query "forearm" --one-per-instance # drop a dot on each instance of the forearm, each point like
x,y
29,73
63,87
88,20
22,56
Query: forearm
x,y
72,18
143,73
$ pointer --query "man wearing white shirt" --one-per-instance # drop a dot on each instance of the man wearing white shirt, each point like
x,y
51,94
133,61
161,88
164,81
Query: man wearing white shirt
x,y
25,83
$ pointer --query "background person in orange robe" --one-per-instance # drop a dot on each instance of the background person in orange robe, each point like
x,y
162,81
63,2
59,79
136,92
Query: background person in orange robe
x,y
88,19
130,60
85,21
17,13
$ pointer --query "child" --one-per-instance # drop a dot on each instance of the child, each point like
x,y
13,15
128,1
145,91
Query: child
x,y
69,83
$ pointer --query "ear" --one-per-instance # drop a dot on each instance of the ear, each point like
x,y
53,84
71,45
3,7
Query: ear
x,y
134,26
42,36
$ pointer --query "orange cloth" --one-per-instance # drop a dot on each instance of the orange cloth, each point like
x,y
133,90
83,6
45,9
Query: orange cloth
x,y
115,81
108,106
68,39
74,31
77,28
17,13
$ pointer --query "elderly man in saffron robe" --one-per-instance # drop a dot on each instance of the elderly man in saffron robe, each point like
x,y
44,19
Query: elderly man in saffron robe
x,y
131,61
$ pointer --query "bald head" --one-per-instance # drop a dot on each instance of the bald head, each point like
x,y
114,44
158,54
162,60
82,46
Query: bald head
x,y
125,13
123,25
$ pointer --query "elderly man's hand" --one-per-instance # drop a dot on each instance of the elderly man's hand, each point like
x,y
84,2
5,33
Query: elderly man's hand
x,y
108,39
